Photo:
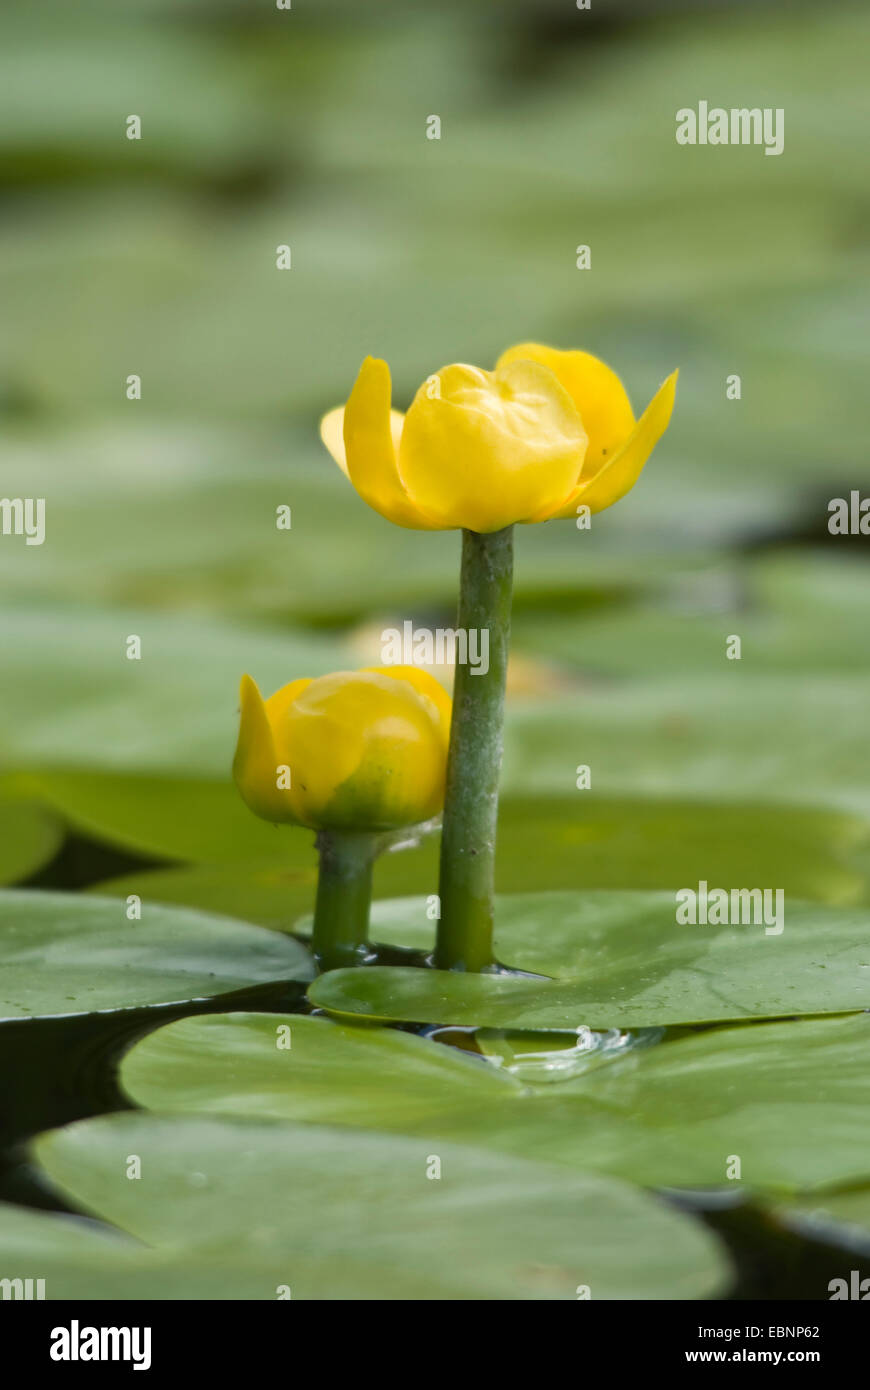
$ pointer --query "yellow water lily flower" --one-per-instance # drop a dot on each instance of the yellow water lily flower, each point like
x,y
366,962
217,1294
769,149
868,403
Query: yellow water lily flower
x,y
542,434
356,750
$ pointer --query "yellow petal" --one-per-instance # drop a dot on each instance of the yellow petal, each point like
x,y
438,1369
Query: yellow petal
x,y
426,685
596,391
256,762
482,450
369,430
368,752
277,706
326,739
619,476
332,434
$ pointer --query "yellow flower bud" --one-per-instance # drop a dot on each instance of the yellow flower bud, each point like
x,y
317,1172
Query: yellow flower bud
x,y
544,433
356,750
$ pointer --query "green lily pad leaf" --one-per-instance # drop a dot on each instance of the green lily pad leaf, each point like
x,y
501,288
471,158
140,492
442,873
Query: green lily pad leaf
x,y
88,77
617,960
728,736
337,563
806,613
700,739
68,954
196,819
271,895
554,842
840,1218
318,1197
29,837
175,710
73,1258
294,1067
733,735
206,821
82,1260
790,1100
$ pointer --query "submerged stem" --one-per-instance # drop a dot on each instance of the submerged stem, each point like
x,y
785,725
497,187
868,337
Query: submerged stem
x,y
467,882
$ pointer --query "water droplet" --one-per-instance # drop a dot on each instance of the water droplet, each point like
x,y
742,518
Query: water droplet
x,y
543,1058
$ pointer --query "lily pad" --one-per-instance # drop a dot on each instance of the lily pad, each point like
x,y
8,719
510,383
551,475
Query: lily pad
x,y
344,1210
841,1218
295,1067
617,960
269,894
792,613
80,1259
29,837
173,710
74,1258
726,738
703,739
64,954
790,1101
197,819
736,736
558,842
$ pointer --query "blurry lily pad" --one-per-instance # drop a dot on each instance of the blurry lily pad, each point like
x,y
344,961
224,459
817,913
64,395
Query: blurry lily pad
x,y
173,708
349,1219
72,1258
328,566
735,736
29,836
731,736
337,562
841,1218
80,1259
174,818
69,954
192,98
792,613
554,842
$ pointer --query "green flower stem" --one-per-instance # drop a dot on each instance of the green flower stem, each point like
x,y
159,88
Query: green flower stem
x,y
467,881
344,895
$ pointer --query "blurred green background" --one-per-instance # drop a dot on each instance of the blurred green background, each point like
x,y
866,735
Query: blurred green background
x,y
308,128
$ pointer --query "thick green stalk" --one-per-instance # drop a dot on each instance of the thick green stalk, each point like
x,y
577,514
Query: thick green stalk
x,y
467,879
344,894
